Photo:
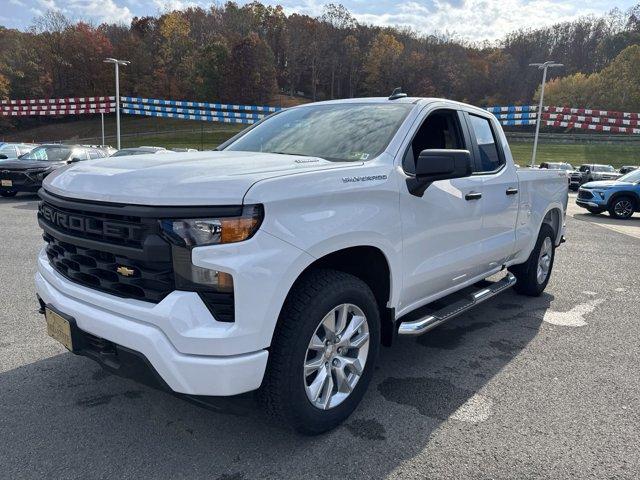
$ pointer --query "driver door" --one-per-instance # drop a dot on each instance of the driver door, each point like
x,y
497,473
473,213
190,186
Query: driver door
x,y
441,241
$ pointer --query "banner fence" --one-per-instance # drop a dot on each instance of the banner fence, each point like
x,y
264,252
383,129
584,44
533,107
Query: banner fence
x,y
508,115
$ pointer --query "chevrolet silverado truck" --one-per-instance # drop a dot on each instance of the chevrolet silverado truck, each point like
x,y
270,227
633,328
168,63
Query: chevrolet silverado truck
x,y
621,198
283,261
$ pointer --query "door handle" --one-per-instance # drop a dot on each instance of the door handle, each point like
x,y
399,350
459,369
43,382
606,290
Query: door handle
x,y
511,191
473,196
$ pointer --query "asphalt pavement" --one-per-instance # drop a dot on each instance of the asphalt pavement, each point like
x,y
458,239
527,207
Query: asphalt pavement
x,y
518,388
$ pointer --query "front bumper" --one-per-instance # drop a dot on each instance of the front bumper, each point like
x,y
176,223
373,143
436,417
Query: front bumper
x,y
190,374
21,182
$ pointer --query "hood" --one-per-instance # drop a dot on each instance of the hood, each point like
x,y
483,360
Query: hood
x,y
193,178
28,165
603,184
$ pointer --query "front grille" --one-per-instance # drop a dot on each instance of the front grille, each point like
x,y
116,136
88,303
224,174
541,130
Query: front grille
x,y
119,249
149,280
585,194
100,226
89,243
17,177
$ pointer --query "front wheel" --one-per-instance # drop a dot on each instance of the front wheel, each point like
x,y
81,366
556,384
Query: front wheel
x,y
622,207
533,275
8,193
323,352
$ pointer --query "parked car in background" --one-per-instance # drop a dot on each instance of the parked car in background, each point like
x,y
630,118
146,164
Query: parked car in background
x,y
11,151
557,166
108,149
621,198
565,167
628,168
139,151
25,174
591,172
178,149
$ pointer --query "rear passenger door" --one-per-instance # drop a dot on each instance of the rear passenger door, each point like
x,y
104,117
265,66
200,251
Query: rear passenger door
x,y
499,190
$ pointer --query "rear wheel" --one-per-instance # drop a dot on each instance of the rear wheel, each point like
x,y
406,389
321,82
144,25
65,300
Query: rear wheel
x,y
533,275
595,211
323,352
622,207
8,193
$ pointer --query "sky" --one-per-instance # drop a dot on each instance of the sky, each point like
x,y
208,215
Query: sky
x,y
474,20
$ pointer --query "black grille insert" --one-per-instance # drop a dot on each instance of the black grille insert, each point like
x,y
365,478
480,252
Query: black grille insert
x,y
585,194
150,281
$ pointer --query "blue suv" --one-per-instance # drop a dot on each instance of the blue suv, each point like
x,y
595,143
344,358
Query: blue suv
x,y
619,197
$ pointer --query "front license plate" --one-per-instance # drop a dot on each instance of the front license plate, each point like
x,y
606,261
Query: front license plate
x,y
6,183
58,328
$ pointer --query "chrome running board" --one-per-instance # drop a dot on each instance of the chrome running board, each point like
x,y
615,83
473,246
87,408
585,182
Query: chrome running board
x,y
432,320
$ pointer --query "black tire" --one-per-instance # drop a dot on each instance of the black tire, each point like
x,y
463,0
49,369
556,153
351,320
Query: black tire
x,y
283,393
8,193
527,273
617,207
595,211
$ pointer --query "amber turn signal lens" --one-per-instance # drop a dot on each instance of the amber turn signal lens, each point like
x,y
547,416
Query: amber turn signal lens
x,y
238,229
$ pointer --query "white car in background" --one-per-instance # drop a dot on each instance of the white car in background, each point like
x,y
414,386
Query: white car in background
x,y
11,151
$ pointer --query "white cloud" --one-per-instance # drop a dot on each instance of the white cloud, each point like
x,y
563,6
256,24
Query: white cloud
x,y
97,11
479,19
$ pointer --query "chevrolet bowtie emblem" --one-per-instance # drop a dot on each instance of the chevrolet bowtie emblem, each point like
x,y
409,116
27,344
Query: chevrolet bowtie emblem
x,y
124,271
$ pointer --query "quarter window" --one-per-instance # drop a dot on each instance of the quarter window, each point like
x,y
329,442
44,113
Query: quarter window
x,y
490,158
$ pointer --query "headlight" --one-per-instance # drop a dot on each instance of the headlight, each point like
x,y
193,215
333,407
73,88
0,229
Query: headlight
x,y
197,232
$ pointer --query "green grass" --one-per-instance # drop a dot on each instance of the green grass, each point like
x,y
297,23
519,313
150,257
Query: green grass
x,y
576,154
205,140
170,133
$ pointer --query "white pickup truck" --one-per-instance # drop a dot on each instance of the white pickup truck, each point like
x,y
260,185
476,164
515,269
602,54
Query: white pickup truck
x,y
281,262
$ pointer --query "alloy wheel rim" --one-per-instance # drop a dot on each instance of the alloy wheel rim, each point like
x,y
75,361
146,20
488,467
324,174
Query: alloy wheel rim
x,y
544,260
336,356
623,208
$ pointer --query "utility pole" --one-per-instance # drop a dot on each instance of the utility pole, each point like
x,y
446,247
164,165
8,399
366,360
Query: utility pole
x,y
541,66
102,124
117,64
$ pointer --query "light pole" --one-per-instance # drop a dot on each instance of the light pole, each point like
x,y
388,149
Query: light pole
x,y
541,66
117,64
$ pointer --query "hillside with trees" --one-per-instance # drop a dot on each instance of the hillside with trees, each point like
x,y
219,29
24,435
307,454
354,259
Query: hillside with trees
x,y
246,54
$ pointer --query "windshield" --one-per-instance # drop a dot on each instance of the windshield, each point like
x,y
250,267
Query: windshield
x,y
631,177
341,132
48,154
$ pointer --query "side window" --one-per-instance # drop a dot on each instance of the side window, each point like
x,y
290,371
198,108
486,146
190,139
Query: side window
x,y
9,151
93,154
440,130
490,158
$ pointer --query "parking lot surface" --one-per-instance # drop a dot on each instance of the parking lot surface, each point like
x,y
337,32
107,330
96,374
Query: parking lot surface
x,y
518,388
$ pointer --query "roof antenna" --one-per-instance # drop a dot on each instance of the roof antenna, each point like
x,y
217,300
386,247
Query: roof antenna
x,y
397,93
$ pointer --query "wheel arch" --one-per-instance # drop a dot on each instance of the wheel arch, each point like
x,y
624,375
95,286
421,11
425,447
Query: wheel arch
x,y
371,265
624,193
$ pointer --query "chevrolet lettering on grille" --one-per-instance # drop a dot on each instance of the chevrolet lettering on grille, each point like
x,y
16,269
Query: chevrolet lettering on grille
x,y
89,225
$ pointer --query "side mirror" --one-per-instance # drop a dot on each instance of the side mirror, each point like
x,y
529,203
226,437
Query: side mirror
x,y
3,156
75,160
436,164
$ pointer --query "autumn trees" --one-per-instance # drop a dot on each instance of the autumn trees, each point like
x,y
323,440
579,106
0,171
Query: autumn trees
x,y
247,53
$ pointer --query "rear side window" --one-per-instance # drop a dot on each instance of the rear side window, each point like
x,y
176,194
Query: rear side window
x,y
93,154
490,159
